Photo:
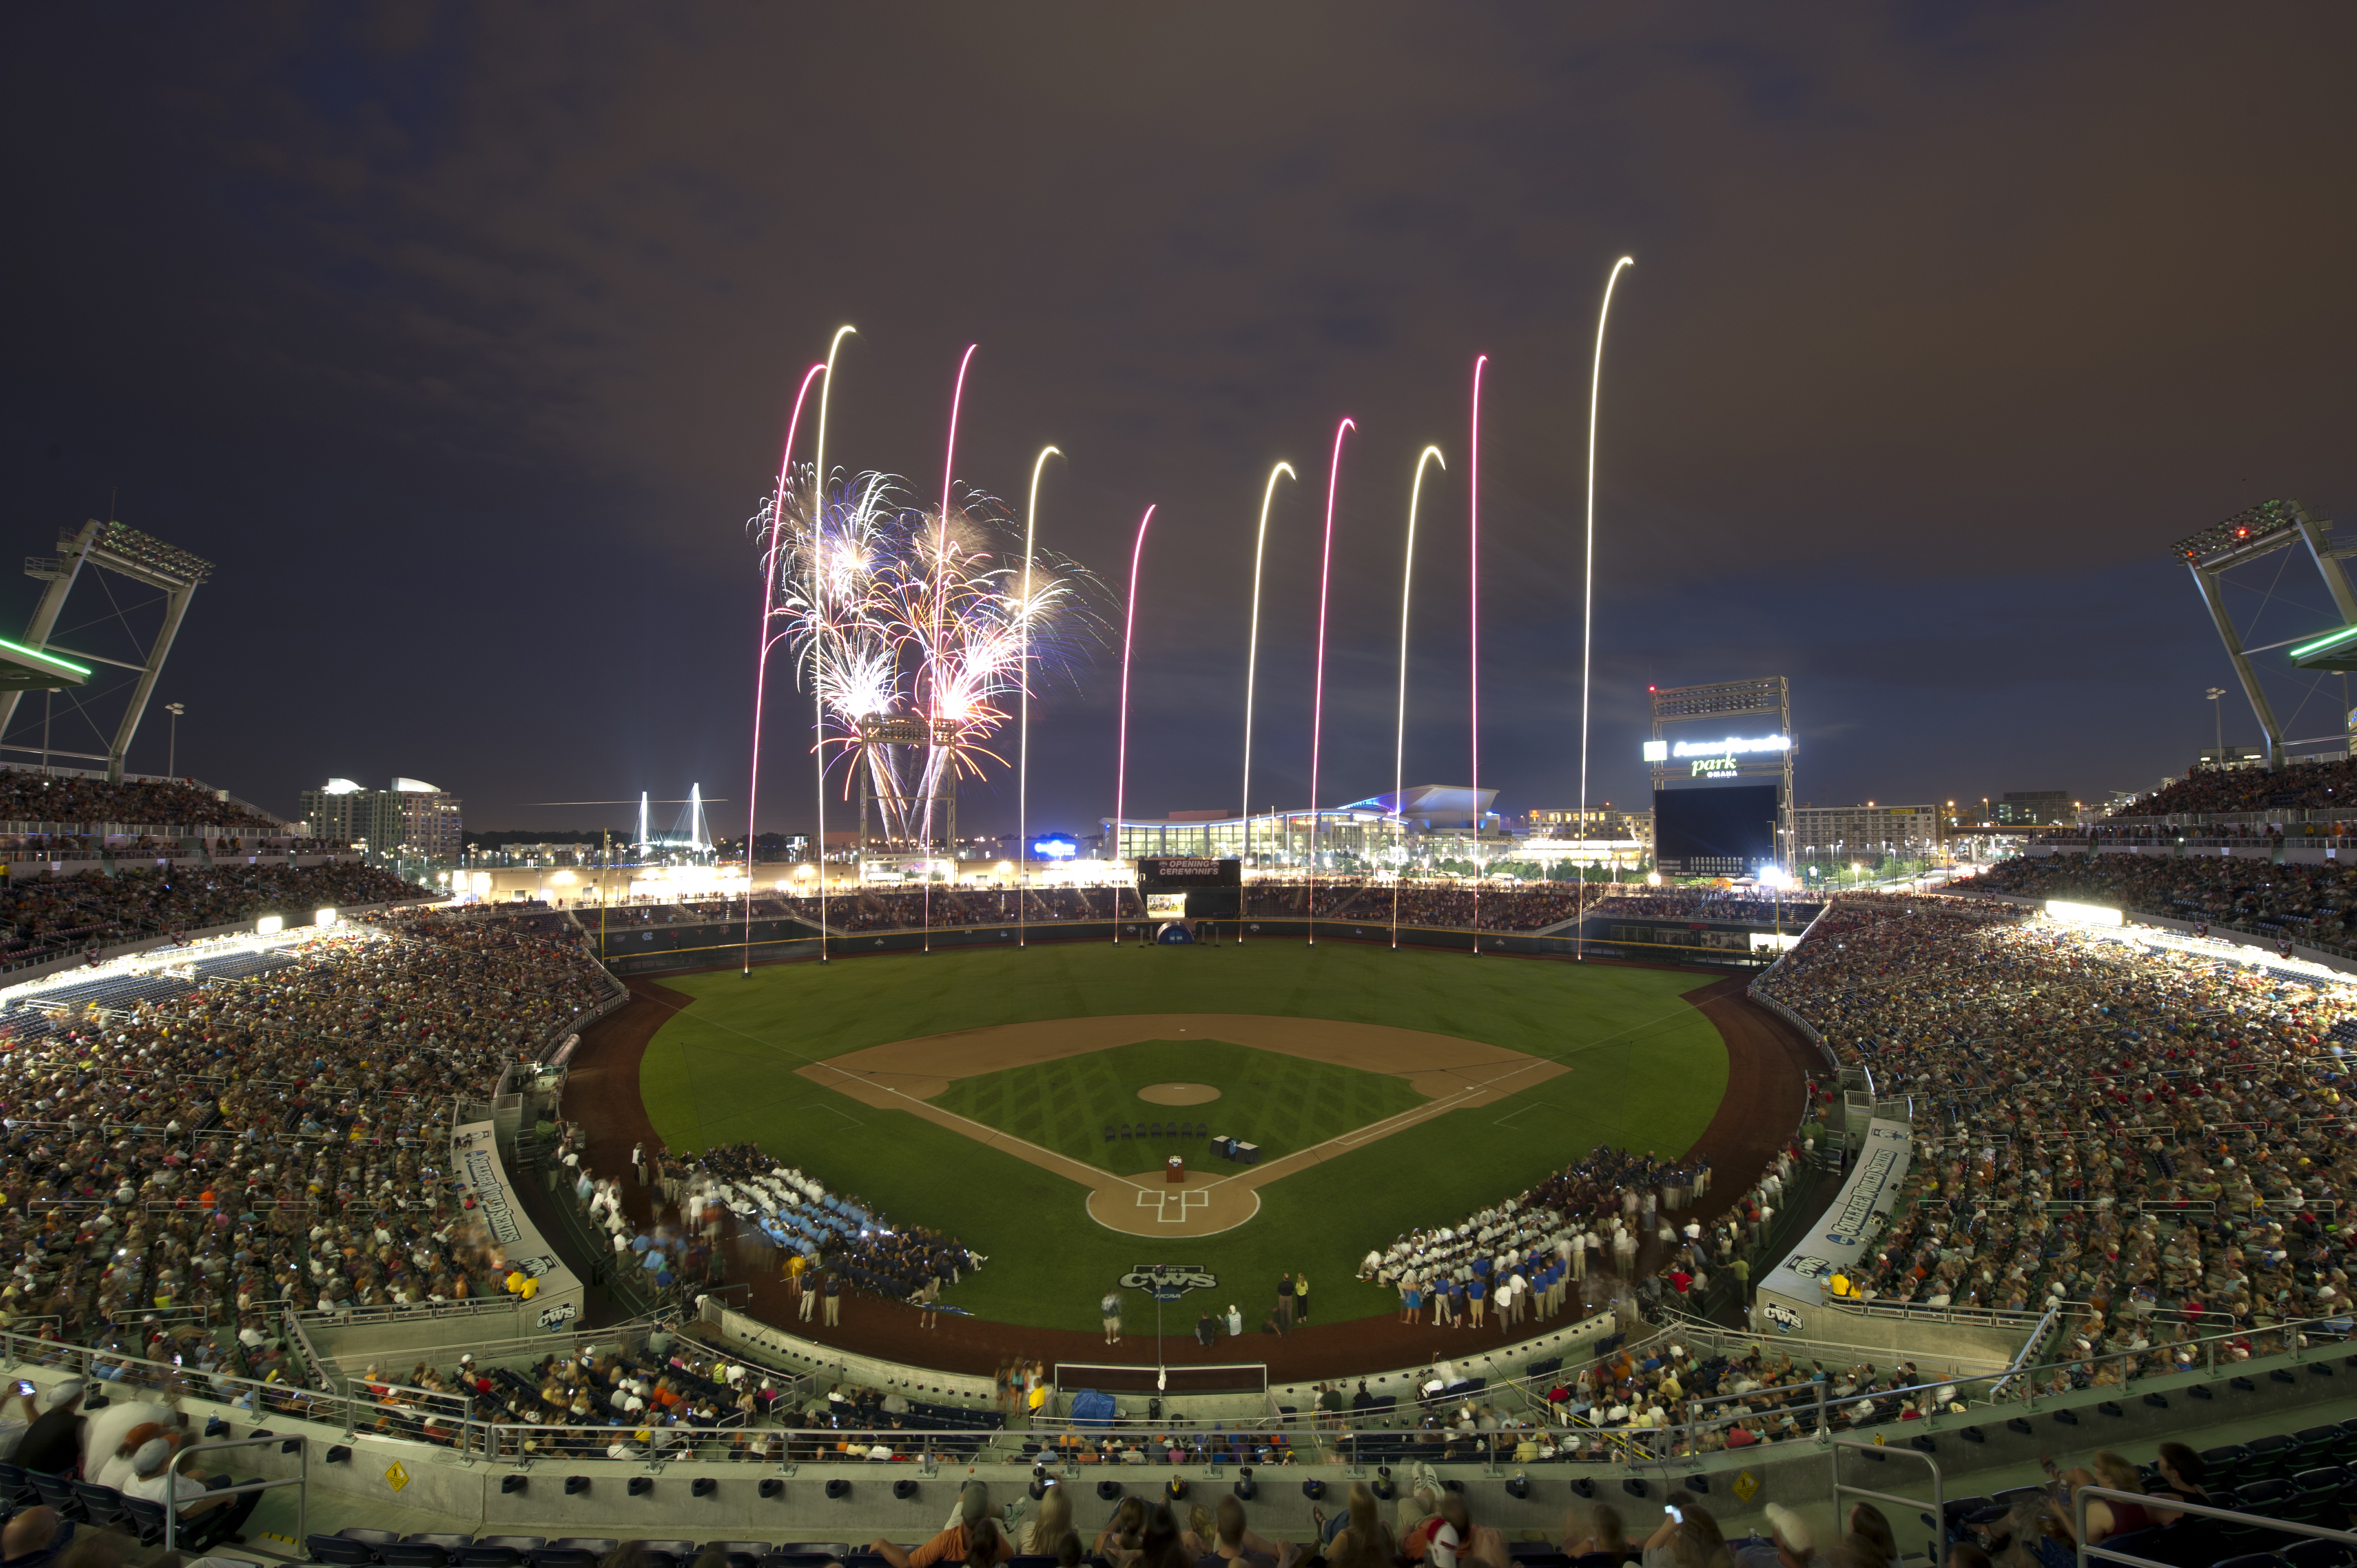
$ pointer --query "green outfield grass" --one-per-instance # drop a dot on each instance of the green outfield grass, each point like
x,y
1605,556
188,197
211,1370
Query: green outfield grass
x,y
1282,1103
1645,1070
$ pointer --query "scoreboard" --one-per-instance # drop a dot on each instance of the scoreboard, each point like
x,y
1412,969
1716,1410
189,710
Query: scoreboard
x,y
1726,831
1213,888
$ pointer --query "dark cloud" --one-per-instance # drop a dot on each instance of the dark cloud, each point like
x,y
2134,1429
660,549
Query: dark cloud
x,y
462,337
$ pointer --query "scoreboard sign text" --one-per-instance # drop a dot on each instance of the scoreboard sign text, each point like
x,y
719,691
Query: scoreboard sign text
x,y
1189,871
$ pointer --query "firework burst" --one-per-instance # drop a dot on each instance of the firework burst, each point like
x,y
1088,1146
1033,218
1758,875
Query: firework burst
x,y
918,618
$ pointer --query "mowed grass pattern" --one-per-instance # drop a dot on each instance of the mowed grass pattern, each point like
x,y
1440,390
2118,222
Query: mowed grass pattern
x,y
1645,1071
1283,1103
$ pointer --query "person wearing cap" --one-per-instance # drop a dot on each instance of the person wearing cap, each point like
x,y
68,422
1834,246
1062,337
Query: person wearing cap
x,y
206,1521
973,1528
1790,1544
52,1445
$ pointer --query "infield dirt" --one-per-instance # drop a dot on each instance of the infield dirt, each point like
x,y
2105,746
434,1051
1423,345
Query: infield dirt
x,y
1452,1073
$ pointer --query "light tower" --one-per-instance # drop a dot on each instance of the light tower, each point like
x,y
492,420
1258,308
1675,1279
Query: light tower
x,y
126,552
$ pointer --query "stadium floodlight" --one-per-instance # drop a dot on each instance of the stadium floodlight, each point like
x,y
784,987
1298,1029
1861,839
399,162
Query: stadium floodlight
x,y
2084,914
2249,536
34,663
323,916
269,925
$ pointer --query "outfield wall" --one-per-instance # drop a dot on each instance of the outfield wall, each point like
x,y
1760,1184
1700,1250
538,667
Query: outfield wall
x,y
657,949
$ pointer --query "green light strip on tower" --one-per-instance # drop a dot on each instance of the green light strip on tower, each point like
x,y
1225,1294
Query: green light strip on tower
x,y
66,666
2331,641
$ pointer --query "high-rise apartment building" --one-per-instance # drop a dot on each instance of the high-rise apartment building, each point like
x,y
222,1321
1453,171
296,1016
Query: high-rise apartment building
x,y
412,820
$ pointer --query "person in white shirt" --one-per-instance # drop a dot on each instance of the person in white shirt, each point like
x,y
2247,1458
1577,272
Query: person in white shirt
x,y
206,1521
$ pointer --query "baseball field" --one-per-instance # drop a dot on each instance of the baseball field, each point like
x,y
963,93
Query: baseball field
x,y
1030,1102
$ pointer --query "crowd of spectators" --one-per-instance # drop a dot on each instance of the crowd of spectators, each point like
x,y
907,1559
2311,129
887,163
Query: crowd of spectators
x,y
2301,786
215,1154
1712,904
1528,907
791,1222
2156,1143
903,908
1721,1402
43,917
31,795
1602,1229
665,1398
2305,903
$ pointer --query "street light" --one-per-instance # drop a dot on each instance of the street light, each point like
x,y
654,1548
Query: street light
x,y
172,746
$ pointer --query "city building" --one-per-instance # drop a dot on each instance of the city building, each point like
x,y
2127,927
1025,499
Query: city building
x,y
1605,821
410,821
432,825
346,813
2029,808
1829,833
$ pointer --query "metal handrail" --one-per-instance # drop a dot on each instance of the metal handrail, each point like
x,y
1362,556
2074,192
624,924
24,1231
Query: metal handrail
x,y
2106,1494
415,1401
171,1503
1939,1500
660,1445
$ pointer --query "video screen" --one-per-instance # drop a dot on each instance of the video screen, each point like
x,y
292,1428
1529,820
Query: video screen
x,y
1166,906
1724,831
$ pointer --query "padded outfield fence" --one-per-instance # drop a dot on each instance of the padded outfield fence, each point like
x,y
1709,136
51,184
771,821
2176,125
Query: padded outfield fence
x,y
625,954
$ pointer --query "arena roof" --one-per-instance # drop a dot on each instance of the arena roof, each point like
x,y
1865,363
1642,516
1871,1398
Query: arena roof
x,y
2335,649
24,669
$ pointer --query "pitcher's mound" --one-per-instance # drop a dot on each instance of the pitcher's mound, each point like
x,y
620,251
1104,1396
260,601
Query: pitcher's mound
x,y
1178,1093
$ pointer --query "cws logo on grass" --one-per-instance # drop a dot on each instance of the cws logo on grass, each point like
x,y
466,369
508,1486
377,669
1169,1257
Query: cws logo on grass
x,y
1168,1282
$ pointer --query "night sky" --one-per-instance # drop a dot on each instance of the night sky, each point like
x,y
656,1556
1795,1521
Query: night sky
x,y
462,339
